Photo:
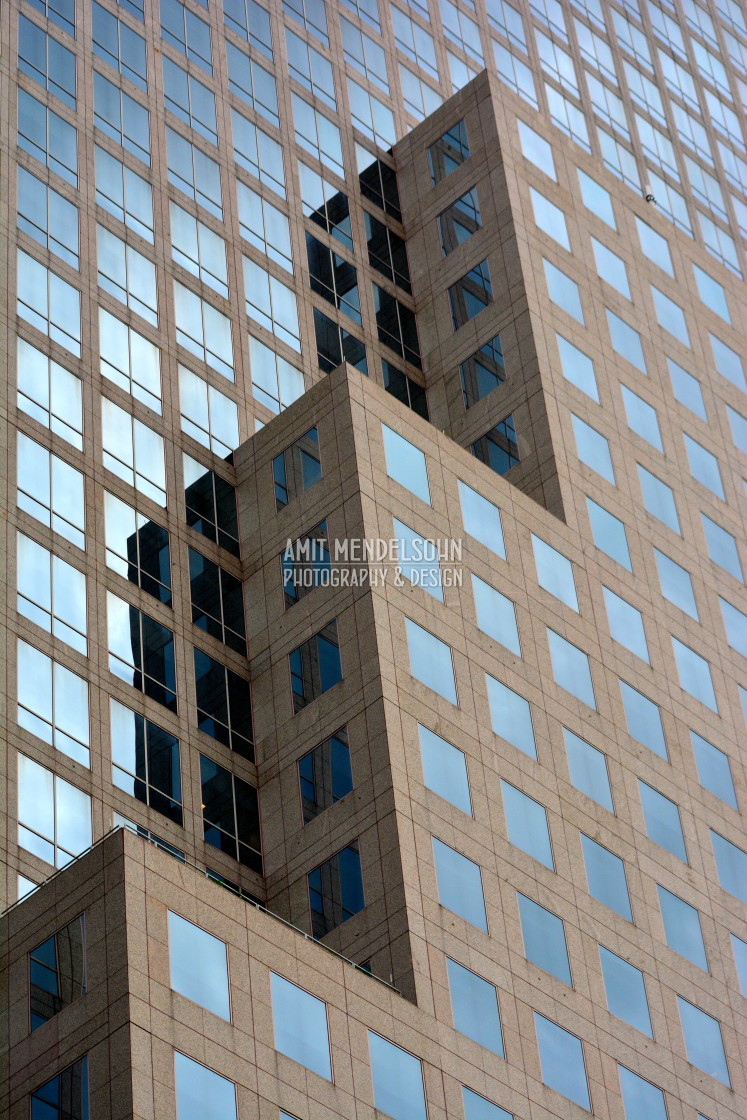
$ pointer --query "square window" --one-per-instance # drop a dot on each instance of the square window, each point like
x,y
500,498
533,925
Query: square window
x,y
406,464
511,716
64,1095
133,451
48,137
571,669
676,584
641,417
202,1092
431,661
48,302
482,372
740,959
526,824
626,624
722,548
714,769
460,221
704,466
52,593
445,769
593,449
48,217
305,564
625,989
404,389
555,572
198,966
217,601
562,1061
51,491
643,720
536,149
477,1108
694,674
611,268
130,360
593,195
417,559
577,367
682,927
731,863
608,533
397,1080
549,218
211,505
654,246
145,761
474,1005
297,468
712,293
658,499
54,817
704,1043
641,1098
50,393
670,316
544,939
563,291
588,770
141,651
605,876
481,519
207,415
686,389
662,819
459,884
496,615
626,341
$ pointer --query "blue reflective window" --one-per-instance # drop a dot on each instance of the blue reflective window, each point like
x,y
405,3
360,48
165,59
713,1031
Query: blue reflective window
x,y
474,1005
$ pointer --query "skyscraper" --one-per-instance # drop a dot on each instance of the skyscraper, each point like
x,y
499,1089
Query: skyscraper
x,y
376,466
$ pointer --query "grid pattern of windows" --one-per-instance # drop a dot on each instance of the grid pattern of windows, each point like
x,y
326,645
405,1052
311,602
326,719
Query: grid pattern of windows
x,y
684,144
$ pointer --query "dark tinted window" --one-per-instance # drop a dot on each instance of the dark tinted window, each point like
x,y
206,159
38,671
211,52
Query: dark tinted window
x,y
315,666
335,345
145,762
387,252
211,505
449,151
483,371
396,325
230,810
304,564
217,601
498,447
64,1097
405,389
336,891
223,705
325,775
57,972
297,468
